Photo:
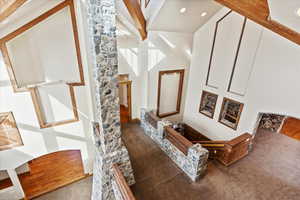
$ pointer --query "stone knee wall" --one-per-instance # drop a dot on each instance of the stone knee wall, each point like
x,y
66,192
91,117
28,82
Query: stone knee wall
x,y
193,164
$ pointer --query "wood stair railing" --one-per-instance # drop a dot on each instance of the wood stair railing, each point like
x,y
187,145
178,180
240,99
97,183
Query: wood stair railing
x,y
228,152
122,184
178,140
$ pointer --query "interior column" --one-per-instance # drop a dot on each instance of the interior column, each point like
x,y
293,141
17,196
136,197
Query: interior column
x,y
107,132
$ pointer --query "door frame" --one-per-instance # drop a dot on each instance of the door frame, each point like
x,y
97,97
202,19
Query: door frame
x,y
128,86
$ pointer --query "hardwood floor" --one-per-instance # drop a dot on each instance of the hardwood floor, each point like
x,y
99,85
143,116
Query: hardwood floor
x,y
124,114
291,128
50,172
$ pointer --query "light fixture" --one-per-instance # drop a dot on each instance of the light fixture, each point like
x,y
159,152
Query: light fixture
x,y
203,14
298,12
182,10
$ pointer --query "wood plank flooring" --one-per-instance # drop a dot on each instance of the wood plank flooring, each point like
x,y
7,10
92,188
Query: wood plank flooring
x,y
124,114
291,128
50,172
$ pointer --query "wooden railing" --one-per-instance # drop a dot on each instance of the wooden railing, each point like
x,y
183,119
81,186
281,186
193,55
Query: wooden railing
x,y
152,119
122,184
178,140
227,152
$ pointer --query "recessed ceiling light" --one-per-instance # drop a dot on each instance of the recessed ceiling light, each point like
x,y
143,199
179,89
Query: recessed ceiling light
x,y
203,14
298,12
182,10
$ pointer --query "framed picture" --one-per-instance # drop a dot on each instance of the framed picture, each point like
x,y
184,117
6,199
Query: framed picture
x,y
208,104
170,86
230,113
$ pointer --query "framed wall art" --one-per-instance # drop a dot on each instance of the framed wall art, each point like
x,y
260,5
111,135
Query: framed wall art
x,y
170,86
208,104
230,113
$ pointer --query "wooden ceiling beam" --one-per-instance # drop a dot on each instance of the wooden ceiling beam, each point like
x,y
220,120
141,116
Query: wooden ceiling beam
x,y
258,11
134,9
8,7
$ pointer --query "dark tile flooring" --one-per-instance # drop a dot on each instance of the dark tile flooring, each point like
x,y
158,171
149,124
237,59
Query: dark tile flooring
x,y
271,171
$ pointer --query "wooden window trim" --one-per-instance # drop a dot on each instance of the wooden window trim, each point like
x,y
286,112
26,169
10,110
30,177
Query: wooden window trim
x,y
22,29
179,94
38,109
33,91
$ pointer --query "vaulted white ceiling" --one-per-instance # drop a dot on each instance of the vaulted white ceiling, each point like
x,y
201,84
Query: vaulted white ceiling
x,y
171,19
285,13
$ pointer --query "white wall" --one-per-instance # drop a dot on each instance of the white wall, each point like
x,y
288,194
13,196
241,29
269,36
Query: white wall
x,y
167,51
36,59
38,142
267,76
128,55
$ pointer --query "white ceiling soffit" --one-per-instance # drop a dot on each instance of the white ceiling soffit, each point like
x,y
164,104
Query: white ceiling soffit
x,y
196,13
27,12
125,18
286,12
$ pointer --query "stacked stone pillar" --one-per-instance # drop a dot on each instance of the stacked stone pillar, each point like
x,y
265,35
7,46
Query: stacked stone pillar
x,y
107,132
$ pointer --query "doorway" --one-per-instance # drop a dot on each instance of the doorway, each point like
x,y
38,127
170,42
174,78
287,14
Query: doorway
x,y
125,98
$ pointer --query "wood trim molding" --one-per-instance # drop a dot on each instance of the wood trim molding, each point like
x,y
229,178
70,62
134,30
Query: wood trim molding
x,y
179,94
135,11
8,7
236,58
122,184
147,3
39,112
129,98
33,91
258,11
10,36
213,49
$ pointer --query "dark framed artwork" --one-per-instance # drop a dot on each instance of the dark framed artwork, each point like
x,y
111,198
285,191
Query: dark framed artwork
x,y
208,104
230,113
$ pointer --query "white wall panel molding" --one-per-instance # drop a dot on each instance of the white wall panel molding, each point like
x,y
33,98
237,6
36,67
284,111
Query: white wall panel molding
x,y
245,58
226,38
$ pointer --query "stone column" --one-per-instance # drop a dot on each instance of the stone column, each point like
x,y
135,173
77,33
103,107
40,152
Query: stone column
x,y
107,132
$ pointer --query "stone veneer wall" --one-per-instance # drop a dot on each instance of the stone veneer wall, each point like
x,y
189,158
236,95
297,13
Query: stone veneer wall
x,y
194,164
107,132
271,122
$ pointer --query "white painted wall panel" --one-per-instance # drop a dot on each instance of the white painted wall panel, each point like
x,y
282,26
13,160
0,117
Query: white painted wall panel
x,y
246,58
273,86
46,52
56,102
226,43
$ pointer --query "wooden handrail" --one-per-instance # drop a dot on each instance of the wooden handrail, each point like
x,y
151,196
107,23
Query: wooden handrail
x,y
178,140
122,184
152,119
